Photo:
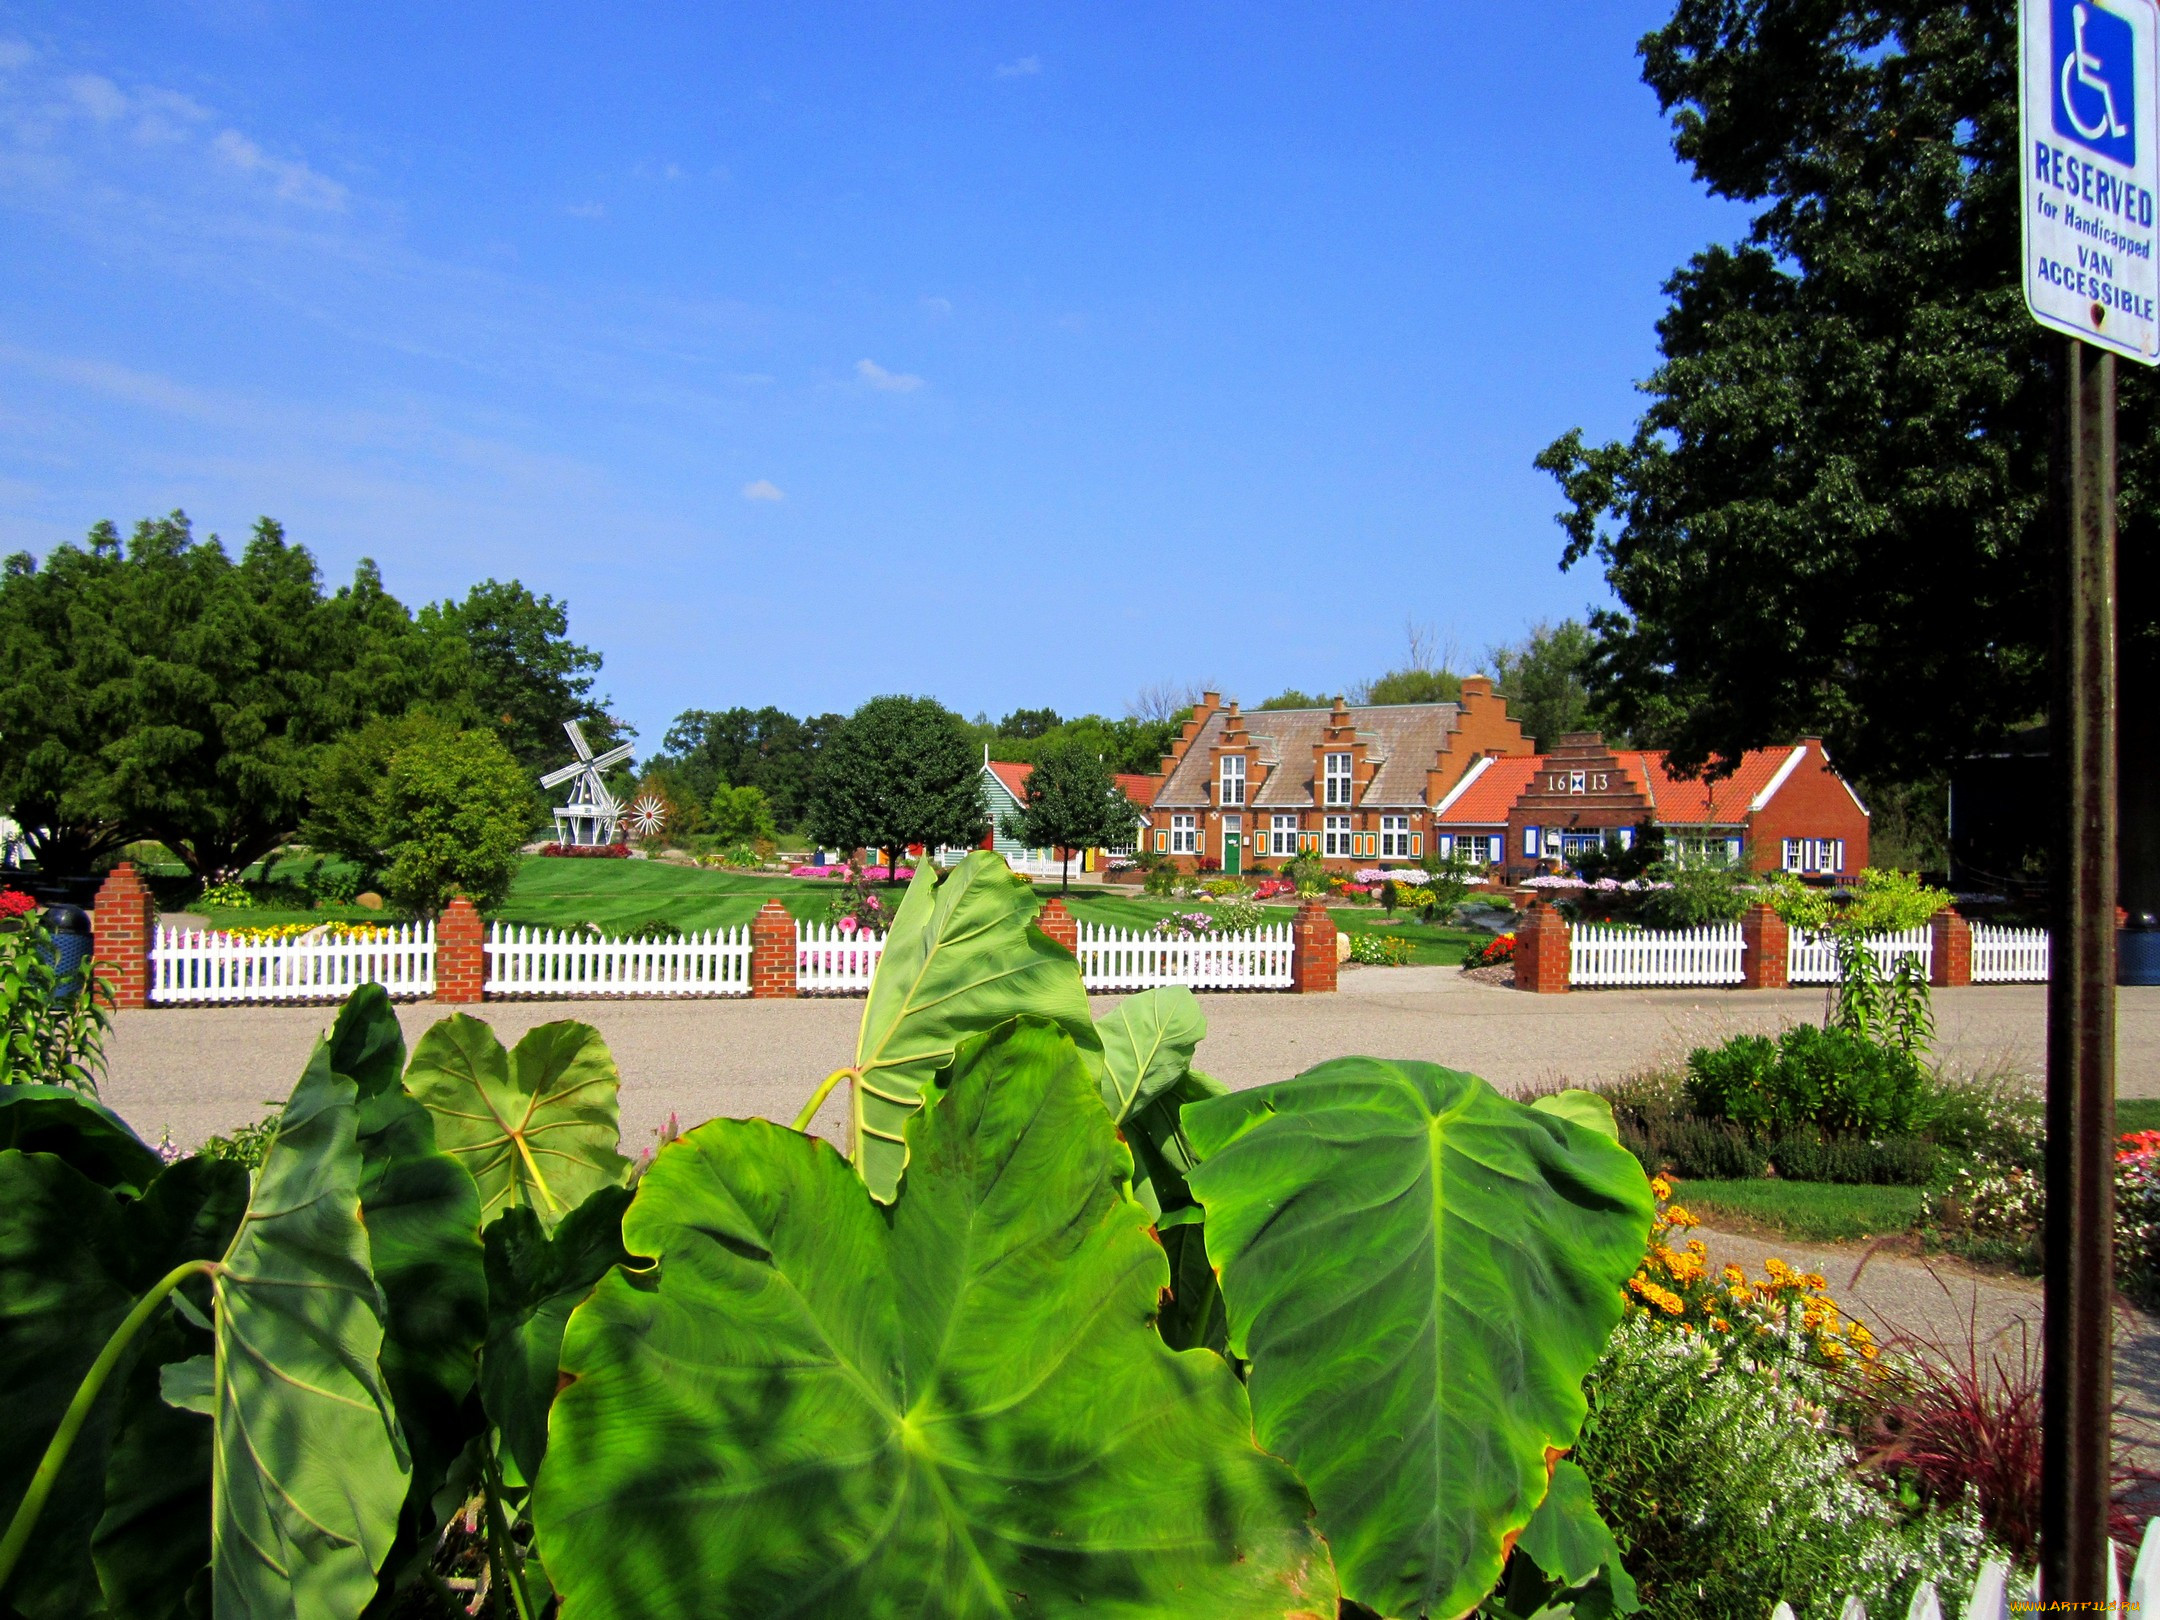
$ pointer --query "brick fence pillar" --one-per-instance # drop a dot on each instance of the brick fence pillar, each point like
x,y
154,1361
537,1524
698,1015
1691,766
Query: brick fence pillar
x,y
1952,939
120,929
1541,950
1312,950
772,952
1059,924
1764,945
460,953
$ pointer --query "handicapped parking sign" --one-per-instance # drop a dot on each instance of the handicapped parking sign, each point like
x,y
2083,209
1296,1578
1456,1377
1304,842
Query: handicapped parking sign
x,y
2090,161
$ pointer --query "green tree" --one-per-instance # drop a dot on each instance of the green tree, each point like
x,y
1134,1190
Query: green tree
x,y
1545,679
741,815
1413,686
899,771
1071,802
768,749
1292,698
454,808
503,658
1029,723
162,689
1831,518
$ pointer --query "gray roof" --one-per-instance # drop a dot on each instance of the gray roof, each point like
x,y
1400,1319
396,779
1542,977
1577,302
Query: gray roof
x,y
1405,737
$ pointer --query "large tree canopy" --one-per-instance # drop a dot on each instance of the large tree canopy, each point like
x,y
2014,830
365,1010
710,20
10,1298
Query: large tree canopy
x,y
160,688
768,749
1832,516
900,771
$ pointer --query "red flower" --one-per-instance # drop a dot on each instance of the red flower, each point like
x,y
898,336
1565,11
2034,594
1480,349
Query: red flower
x,y
14,903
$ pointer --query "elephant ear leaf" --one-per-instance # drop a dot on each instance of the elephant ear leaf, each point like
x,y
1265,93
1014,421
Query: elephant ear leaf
x,y
1148,1041
805,1404
1572,1547
1192,1312
63,1122
534,1282
73,1261
962,957
1578,1107
537,1127
422,1213
309,1473
1421,1272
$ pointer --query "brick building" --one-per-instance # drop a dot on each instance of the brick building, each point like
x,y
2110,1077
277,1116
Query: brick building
x,y
1781,808
1357,785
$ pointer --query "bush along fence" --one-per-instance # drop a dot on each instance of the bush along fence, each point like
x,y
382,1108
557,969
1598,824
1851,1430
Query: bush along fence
x,y
1760,952
1999,1593
459,958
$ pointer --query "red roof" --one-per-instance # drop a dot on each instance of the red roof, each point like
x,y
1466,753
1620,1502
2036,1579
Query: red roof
x,y
1721,803
1487,800
1014,774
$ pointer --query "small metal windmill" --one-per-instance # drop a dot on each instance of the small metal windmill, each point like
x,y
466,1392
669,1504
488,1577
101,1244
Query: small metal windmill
x,y
591,814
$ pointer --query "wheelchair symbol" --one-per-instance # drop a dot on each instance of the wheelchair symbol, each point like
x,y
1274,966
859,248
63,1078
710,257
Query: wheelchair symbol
x,y
2082,65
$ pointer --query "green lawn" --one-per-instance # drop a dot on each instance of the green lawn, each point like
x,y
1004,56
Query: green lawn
x,y
1817,1211
618,895
2137,1114
1127,909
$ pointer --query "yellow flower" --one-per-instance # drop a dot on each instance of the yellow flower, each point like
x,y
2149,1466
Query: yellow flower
x,y
1676,1216
1660,1188
1736,1276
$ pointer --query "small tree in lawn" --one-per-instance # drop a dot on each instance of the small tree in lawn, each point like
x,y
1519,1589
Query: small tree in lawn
x,y
899,771
1072,802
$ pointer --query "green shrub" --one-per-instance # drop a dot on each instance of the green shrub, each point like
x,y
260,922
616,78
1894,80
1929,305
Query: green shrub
x,y
1891,1161
227,894
740,815
48,1037
1380,950
1711,1150
1161,881
244,1145
1827,1078
454,810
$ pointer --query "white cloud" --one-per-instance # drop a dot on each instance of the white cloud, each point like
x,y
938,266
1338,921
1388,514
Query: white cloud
x,y
294,181
891,382
98,96
1025,68
936,306
763,489
587,210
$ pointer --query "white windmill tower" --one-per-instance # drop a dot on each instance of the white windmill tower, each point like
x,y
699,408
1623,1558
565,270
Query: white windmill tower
x,y
590,816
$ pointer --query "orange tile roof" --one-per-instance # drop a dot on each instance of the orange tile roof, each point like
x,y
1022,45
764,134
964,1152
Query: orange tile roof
x,y
1139,789
1013,773
1721,803
1487,801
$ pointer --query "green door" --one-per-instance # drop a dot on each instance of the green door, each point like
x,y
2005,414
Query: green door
x,y
1233,858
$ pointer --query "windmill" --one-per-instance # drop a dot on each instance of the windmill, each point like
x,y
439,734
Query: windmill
x,y
589,817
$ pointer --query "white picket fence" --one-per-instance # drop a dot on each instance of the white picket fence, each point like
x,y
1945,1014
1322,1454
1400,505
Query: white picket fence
x,y
549,962
1118,959
1998,1593
2009,955
201,966
831,963
1608,954
1812,958
529,961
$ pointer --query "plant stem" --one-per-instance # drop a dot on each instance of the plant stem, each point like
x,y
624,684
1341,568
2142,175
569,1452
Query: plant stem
x,y
817,1098
78,1412
499,1542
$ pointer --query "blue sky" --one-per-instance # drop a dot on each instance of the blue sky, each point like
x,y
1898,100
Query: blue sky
x,y
1017,354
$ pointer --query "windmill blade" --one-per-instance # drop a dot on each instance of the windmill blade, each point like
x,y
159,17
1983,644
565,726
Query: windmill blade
x,y
614,755
557,778
577,741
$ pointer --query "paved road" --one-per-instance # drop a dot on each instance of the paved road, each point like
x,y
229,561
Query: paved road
x,y
194,1071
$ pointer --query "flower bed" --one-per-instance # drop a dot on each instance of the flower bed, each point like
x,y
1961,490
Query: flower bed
x,y
609,852
1498,950
359,932
14,903
870,874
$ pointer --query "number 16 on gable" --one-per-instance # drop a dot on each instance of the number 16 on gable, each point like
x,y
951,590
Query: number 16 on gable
x,y
2091,162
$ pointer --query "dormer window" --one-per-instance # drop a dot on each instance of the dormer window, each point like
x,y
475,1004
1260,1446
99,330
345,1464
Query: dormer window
x,y
1337,778
1233,779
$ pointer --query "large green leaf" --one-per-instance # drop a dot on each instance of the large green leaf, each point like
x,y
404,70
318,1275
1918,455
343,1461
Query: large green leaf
x,y
535,1127
422,1213
73,1261
804,1405
1148,1041
963,956
1421,1273
534,1282
1573,1547
309,1472
63,1122
1192,1312
152,1545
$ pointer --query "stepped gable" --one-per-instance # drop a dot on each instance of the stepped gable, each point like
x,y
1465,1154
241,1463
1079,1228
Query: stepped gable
x,y
1582,783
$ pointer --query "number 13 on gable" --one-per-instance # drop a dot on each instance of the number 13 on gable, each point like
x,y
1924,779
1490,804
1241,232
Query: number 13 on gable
x,y
2091,161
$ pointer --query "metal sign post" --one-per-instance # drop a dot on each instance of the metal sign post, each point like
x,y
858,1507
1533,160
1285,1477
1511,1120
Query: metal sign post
x,y
2090,161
